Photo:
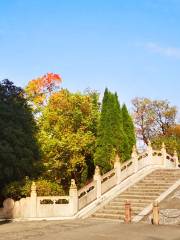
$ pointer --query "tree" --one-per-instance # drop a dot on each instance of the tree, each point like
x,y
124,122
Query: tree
x,y
128,127
171,140
111,138
39,90
19,152
152,117
67,133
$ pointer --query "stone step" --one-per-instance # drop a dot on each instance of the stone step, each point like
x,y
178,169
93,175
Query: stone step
x,y
161,179
134,201
122,205
149,190
146,191
109,216
153,184
112,216
140,195
145,187
118,212
166,171
129,197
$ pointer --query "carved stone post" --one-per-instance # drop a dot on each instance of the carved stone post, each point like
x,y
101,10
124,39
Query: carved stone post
x,y
97,178
163,152
150,153
155,213
73,194
134,157
176,159
127,218
33,201
117,167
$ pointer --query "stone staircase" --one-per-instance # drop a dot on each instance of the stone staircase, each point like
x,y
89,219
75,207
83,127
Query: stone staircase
x,y
140,194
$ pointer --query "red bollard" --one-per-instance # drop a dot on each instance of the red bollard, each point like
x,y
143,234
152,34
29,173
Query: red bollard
x,y
127,218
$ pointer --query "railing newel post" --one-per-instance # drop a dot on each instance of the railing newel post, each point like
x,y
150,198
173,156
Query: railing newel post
x,y
97,178
176,159
73,195
164,154
150,153
134,157
117,167
33,200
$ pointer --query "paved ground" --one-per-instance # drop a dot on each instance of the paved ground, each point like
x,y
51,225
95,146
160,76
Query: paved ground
x,y
86,230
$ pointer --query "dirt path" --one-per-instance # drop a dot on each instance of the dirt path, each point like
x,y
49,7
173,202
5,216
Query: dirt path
x,y
86,230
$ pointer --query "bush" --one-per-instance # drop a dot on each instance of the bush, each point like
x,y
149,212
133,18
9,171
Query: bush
x,y
44,188
12,190
17,190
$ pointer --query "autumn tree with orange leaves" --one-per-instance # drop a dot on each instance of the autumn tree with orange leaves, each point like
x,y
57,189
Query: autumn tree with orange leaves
x,y
38,90
67,126
155,120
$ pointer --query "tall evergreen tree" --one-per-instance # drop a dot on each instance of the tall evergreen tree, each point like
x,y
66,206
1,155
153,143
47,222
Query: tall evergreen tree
x,y
19,152
128,127
111,138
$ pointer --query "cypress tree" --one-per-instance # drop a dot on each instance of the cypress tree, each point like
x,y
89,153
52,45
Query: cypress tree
x,y
111,138
128,127
119,134
104,136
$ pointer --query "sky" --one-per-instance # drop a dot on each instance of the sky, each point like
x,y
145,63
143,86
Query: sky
x,y
129,46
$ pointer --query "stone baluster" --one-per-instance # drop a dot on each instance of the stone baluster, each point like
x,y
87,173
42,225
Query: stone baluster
x,y
73,194
176,159
150,153
117,167
134,157
97,178
163,152
33,201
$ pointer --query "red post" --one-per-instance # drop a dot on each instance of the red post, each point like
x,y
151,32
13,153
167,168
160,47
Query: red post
x,y
127,218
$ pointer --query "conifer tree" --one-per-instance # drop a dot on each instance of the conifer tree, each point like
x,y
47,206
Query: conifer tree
x,y
122,146
128,127
111,138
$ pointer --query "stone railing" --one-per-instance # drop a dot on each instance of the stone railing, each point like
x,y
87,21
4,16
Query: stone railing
x,y
41,207
87,194
108,180
68,206
121,171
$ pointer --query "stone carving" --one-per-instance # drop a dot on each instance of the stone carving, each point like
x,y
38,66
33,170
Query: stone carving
x,y
170,216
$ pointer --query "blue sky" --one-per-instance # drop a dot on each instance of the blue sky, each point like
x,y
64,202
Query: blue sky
x,y
130,46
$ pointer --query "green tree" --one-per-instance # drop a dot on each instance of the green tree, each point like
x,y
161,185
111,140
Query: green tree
x,y
171,140
67,133
111,138
19,152
128,127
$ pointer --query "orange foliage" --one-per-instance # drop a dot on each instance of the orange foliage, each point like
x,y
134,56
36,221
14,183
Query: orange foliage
x,y
175,130
38,88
